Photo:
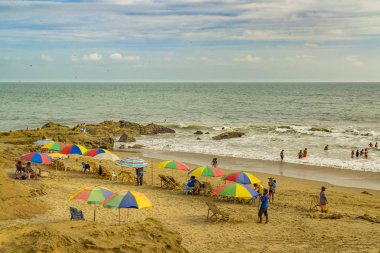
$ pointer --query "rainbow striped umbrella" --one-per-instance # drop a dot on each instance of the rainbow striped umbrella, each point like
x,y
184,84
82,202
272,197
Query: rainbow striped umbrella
x,y
236,190
74,149
127,199
206,171
174,165
54,145
242,177
132,162
97,151
36,157
93,195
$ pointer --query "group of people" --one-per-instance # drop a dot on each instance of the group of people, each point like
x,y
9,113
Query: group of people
x,y
361,153
26,172
302,153
373,146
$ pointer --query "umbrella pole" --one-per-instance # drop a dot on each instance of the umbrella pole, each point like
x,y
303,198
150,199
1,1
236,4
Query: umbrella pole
x,y
152,174
119,216
94,211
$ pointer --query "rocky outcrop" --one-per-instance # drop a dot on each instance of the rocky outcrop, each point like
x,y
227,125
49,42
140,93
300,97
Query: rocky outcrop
x,y
136,146
52,125
152,129
228,135
126,138
198,132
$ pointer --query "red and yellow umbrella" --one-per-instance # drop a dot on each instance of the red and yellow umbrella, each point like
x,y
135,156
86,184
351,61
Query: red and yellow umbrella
x,y
97,151
206,171
242,178
74,149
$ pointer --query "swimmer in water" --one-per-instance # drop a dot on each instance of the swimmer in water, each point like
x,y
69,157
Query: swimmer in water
x,y
370,145
305,153
366,154
300,154
352,153
326,147
376,145
357,153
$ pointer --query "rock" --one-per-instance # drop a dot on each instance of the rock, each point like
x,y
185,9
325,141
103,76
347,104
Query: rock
x,y
52,125
137,146
228,135
207,133
126,138
198,132
152,129
198,139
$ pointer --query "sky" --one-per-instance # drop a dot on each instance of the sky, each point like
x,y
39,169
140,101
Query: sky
x,y
190,40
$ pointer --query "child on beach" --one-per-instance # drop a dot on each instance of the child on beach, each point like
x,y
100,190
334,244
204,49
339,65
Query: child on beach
x,y
323,200
259,189
264,207
272,188
282,155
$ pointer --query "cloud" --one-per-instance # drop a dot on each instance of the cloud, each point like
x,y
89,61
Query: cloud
x,y
354,60
248,58
121,57
74,58
46,58
310,45
92,57
307,57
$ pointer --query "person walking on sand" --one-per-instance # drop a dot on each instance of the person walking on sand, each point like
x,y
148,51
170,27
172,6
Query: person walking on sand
x,y
353,154
300,154
139,176
264,207
305,153
282,156
214,162
323,200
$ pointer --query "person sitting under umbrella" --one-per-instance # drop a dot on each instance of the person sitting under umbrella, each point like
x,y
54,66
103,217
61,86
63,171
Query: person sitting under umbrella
x,y
189,187
29,171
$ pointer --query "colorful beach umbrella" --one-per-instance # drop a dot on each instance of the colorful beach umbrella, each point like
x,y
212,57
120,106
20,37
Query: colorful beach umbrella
x,y
54,145
133,162
127,199
42,142
36,157
206,171
242,177
173,165
107,156
236,190
96,151
93,195
74,149
56,156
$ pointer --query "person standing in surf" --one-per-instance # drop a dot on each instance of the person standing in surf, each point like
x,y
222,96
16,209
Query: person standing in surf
x,y
305,153
300,154
357,153
282,156
353,154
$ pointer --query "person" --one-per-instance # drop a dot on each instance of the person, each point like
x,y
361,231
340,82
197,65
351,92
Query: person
x,y
282,155
352,153
305,153
19,167
357,153
189,187
139,176
259,189
366,153
326,147
264,207
362,152
100,170
370,145
300,154
84,167
29,171
272,188
323,200
376,145
214,162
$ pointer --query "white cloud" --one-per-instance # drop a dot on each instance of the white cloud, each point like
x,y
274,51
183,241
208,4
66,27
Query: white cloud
x,y
120,57
74,58
248,58
353,60
46,57
92,57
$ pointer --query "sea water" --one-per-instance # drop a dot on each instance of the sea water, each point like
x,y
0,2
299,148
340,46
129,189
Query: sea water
x,y
273,116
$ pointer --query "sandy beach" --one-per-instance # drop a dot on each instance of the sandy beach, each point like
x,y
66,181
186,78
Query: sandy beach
x,y
352,224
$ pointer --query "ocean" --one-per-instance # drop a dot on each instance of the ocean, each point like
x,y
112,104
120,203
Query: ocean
x,y
274,116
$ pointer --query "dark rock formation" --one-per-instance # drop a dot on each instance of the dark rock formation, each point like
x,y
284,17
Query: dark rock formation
x,y
126,138
228,135
152,129
198,132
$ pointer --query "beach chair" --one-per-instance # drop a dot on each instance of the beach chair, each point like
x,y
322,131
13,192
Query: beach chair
x,y
76,214
314,203
208,188
174,182
166,183
187,190
214,212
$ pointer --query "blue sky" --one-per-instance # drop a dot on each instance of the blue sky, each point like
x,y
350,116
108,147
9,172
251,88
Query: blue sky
x,y
189,40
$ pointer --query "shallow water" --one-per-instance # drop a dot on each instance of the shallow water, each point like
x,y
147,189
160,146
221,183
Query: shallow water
x,y
274,116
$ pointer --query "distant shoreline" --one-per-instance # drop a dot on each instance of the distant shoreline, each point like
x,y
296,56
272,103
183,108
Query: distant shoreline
x,y
335,176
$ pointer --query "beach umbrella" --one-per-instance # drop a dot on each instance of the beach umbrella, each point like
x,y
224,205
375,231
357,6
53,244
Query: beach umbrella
x,y
56,156
74,149
236,190
93,195
173,165
242,177
97,151
42,142
107,156
206,171
127,199
132,162
54,145
36,157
